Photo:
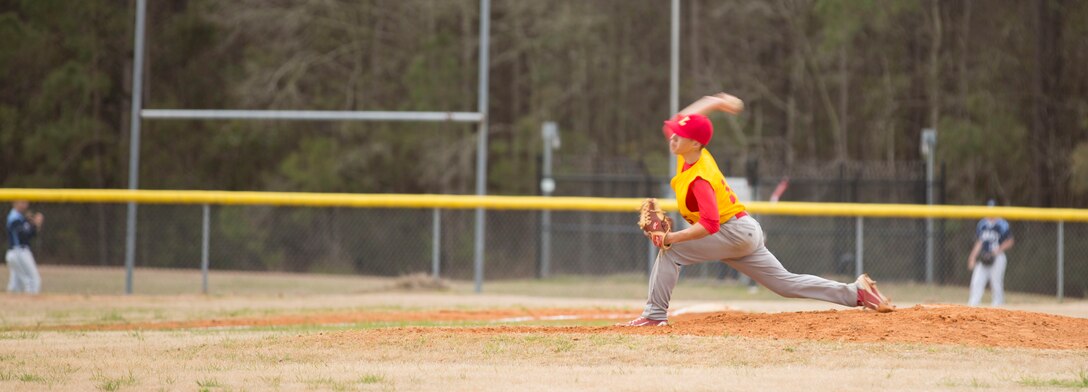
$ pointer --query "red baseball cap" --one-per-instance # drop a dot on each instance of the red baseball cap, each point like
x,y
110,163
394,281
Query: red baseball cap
x,y
692,126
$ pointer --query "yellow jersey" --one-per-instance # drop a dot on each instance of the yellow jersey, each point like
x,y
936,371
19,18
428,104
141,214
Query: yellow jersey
x,y
707,169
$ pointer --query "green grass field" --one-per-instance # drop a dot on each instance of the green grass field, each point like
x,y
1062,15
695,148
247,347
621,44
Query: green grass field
x,y
111,281
433,355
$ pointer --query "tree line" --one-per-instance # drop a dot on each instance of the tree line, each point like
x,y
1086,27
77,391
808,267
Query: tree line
x,y
1003,82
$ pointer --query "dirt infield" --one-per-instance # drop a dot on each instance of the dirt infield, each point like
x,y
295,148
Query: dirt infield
x,y
928,324
497,315
920,324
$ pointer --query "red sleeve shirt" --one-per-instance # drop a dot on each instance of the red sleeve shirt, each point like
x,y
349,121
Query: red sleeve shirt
x,y
701,198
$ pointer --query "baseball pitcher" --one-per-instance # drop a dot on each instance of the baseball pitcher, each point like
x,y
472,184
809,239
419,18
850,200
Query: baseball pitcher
x,y
721,229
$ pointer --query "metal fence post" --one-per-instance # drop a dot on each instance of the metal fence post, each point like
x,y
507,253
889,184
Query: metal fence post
x,y
1061,260
651,257
545,244
859,246
436,243
205,240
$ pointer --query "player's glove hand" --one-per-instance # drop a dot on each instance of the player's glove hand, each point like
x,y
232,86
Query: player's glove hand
x,y
986,257
654,223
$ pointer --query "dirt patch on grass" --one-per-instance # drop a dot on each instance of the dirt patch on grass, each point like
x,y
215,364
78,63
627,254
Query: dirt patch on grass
x,y
926,324
920,324
929,324
497,315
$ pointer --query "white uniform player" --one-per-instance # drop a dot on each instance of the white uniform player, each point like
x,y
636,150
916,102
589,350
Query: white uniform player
x,y
987,260
22,227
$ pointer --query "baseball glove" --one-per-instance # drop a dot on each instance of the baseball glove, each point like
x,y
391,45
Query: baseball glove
x,y
986,257
654,223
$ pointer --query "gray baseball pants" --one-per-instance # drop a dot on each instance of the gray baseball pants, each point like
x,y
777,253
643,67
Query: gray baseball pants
x,y
740,244
23,270
995,274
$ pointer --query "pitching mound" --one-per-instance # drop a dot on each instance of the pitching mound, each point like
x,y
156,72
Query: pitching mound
x,y
919,324
929,324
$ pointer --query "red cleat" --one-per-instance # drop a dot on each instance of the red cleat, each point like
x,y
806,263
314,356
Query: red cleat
x,y
644,322
870,297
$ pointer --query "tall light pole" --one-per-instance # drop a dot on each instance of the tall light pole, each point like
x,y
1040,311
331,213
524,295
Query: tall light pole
x,y
550,133
674,85
134,141
674,107
481,142
929,151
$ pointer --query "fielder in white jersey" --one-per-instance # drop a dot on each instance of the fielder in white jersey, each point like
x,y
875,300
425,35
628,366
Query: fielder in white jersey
x,y
987,260
22,226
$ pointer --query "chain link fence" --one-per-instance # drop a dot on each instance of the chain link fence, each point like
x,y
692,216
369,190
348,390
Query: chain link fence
x,y
395,242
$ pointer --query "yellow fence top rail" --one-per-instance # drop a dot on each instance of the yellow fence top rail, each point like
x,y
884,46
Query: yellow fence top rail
x,y
520,203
